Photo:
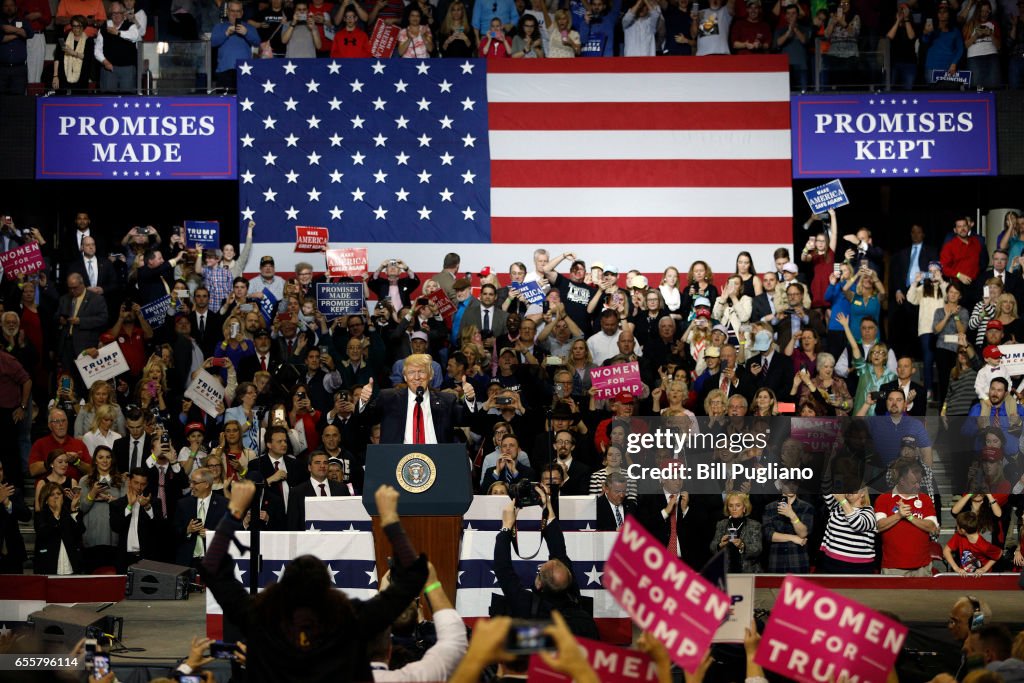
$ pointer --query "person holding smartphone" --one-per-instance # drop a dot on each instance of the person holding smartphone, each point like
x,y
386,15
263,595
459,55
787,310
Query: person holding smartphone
x,y
234,41
99,489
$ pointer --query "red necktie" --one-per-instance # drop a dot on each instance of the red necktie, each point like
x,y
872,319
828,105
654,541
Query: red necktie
x,y
161,493
419,433
323,492
277,484
724,386
673,536
263,363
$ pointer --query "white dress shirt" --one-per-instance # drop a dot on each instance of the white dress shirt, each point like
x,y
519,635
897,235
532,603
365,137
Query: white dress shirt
x,y
428,423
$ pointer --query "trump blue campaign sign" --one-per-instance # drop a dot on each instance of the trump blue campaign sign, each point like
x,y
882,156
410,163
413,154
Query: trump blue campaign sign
x,y
154,138
878,136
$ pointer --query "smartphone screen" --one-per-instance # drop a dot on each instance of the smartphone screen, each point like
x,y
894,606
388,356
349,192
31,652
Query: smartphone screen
x,y
527,637
279,415
100,665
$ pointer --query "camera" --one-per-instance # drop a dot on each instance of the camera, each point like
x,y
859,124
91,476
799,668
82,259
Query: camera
x,y
220,649
344,395
423,301
503,401
393,262
875,396
527,636
524,494
301,395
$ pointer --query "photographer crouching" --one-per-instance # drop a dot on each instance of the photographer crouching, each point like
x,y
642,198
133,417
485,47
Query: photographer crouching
x,y
555,587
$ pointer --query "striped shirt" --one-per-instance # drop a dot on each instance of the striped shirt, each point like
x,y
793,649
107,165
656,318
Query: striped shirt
x,y
849,539
597,480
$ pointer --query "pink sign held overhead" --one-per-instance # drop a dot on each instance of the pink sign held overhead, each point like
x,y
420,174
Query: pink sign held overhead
x,y
611,380
663,596
23,260
350,262
816,635
611,663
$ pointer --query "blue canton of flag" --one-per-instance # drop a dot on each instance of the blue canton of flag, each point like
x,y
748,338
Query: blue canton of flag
x,y
377,151
267,305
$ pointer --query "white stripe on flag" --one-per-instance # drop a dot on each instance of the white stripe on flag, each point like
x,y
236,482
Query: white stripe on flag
x,y
646,202
638,87
585,145
427,258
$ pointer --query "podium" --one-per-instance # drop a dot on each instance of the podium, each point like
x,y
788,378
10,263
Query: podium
x,y
435,489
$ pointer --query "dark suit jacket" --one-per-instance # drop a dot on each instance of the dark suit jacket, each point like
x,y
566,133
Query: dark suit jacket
x,y
92,317
250,365
694,530
188,509
380,286
50,533
524,473
605,516
214,331
778,378
760,307
1014,284
297,501
900,266
475,316
106,276
174,484
120,524
578,483
123,450
391,408
14,556
917,409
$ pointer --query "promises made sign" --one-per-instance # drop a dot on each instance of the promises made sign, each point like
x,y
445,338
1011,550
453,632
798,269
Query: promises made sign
x,y
919,135
142,138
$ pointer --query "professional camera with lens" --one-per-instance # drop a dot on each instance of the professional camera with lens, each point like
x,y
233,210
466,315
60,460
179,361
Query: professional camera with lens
x,y
524,494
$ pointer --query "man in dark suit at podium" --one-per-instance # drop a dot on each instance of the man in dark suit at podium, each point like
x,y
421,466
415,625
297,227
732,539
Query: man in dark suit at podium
x,y
671,518
612,505
416,414
317,485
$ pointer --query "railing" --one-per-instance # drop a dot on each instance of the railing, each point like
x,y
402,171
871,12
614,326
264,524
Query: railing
x,y
868,70
175,68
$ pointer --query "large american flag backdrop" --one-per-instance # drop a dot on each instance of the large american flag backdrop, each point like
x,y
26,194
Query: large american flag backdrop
x,y
641,162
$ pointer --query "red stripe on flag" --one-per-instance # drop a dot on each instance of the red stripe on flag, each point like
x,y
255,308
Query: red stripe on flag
x,y
95,588
215,626
626,115
651,173
644,65
692,230
18,587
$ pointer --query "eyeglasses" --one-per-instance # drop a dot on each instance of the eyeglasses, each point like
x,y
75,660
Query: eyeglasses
x,y
77,26
563,442
59,421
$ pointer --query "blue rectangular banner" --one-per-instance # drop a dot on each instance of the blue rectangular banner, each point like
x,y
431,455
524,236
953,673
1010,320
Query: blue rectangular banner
x,y
335,299
142,138
206,233
530,291
922,135
828,196
155,312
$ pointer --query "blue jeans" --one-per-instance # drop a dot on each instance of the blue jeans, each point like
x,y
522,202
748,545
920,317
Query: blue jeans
x,y
903,75
985,71
121,79
928,358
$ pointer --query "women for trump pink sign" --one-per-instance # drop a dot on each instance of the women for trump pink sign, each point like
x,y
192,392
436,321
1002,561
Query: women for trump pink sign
x,y
815,635
664,596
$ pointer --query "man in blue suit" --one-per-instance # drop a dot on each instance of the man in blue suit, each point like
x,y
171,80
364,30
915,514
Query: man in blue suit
x,y
196,516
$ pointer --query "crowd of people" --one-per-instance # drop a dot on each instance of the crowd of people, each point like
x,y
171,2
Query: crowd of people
x,y
97,42
131,468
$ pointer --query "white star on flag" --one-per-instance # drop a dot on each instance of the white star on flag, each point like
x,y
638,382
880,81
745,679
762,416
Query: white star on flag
x,y
378,104
373,576
446,122
246,104
380,140
269,159
468,214
467,104
468,140
247,140
401,86
467,68
334,573
246,177
336,140
446,159
313,86
358,195
424,176
357,86
424,104
593,576
292,176
247,214
445,86
279,573
269,123
446,195
334,68
245,68
239,573
292,212
458,579
314,195
357,158
269,86
380,176
402,122
336,176
467,177
313,122
424,140
422,68
290,104
380,212
357,122
402,159
401,195
289,69
378,67
291,140
270,195
424,213
314,159
336,213
335,104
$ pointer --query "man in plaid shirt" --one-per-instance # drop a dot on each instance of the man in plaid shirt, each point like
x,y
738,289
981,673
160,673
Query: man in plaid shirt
x,y
217,278
787,527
